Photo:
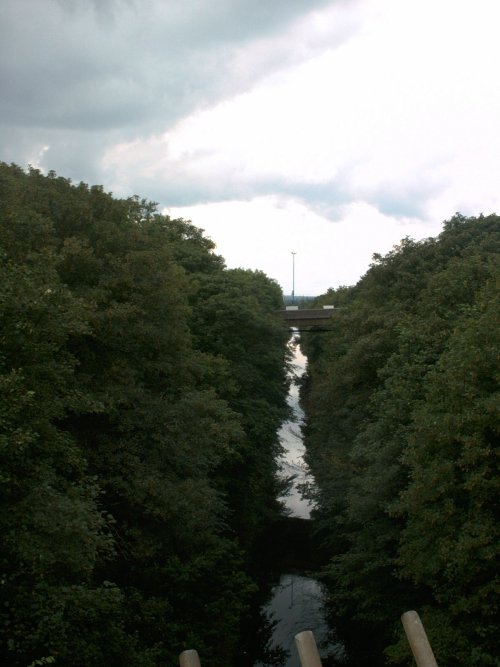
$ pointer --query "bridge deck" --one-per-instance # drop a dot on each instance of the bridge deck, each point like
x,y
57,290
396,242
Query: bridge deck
x,y
307,317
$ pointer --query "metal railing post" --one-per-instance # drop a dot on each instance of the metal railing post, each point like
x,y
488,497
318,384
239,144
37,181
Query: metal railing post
x,y
417,638
189,658
308,652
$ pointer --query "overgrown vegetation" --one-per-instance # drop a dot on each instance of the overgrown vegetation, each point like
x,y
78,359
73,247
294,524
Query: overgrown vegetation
x,y
142,385
402,432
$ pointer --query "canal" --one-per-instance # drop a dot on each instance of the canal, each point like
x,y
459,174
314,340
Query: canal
x,y
296,600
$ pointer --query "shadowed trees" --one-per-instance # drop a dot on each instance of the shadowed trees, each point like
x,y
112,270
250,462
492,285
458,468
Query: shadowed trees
x,y
402,434
137,458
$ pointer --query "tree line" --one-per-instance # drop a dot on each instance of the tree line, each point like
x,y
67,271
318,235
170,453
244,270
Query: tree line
x,y
142,385
402,431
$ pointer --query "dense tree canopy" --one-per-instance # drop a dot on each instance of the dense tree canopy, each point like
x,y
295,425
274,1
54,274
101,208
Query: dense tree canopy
x,y
402,431
141,388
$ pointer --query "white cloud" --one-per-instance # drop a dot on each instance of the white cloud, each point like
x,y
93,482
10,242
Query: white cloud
x,y
267,122
37,160
391,117
262,233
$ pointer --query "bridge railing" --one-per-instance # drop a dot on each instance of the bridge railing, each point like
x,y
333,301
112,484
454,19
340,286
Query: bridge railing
x,y
306,647
309,655
417,638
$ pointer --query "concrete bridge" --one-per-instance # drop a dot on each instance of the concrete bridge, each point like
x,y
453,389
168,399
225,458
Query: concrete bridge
x,y
307,317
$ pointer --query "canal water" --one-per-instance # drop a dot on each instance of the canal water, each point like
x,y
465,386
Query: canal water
x,y
296,601
292,459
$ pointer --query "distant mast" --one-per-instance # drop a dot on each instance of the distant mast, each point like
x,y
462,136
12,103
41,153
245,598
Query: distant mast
x,y
293,277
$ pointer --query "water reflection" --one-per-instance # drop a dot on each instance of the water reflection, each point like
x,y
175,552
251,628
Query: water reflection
x,y
292,461
296,602
296,605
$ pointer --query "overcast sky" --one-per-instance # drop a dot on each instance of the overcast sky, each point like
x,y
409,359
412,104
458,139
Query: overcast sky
x,y
329,128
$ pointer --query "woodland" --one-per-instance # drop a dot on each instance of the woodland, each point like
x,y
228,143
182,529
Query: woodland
x,y
142,385
402,436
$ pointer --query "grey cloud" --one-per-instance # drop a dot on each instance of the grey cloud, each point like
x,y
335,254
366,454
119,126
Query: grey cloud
x,y
394,200
86,73
327,198
154,60
179,189
405,201
220,20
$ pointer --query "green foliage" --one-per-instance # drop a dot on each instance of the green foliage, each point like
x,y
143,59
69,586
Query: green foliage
x,y
451,539
141,387
46,660
234,320
402,434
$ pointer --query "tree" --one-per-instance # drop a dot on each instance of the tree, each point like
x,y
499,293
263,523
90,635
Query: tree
x,y
128,428
450,542
368,382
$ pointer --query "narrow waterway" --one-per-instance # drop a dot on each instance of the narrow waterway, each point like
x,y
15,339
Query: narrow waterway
x,y
292,460
296,601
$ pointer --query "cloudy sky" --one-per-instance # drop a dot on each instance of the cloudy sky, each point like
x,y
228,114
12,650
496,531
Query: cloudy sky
x,y
328,128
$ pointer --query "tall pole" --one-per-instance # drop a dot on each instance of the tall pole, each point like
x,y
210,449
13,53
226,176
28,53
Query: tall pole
x,y
293,276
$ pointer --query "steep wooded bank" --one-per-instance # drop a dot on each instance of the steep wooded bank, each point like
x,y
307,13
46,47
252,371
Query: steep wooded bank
x,y
141,389
402,431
